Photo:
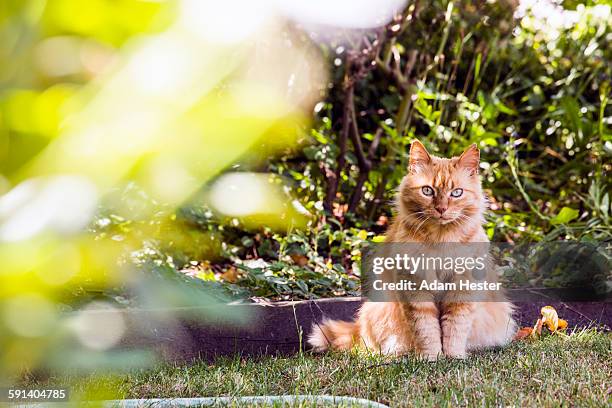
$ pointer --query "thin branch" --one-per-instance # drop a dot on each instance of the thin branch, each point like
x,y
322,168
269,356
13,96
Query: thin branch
x,y
334,177
399,80
378,196
410,64
362,161
364,172
375,143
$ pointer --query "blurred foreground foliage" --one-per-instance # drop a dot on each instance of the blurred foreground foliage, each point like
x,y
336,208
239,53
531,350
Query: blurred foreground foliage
x,y
111,114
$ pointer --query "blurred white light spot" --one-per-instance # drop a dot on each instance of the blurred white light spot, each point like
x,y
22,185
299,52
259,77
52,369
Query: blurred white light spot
x,y
96,57
227,21
163,66
29,315
342,13
103,222
170,180
240,194
99,326
5,185
59,56
591,48
546,16
256,263
63,204
64,264
300,208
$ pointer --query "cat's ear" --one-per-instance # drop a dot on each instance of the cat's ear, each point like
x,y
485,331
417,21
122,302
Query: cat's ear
x,y
418,156
470,159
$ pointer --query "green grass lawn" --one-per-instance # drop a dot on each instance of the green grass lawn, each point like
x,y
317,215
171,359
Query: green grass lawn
x,y
554,371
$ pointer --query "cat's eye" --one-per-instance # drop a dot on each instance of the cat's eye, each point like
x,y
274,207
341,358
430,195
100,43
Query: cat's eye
x,y
427,191
458,192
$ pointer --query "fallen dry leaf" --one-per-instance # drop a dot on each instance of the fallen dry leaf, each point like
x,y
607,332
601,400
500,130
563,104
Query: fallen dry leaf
x,y
537,329
523,333
230,275
339,210
382,221
299,260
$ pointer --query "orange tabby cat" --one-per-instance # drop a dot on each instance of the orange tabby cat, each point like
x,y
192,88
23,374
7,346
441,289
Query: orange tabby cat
x,y
439,201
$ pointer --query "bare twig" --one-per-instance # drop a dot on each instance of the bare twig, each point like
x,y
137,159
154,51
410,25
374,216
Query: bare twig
x,y
362,161
364,171
334,177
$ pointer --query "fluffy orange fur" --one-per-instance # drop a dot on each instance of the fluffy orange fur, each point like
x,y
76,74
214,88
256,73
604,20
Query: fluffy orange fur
x,y
445,326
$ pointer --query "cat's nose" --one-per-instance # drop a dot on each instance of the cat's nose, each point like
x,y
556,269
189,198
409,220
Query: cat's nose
x,y
441,210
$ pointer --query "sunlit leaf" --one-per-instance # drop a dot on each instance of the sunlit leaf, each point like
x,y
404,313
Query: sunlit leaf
x,y
564,216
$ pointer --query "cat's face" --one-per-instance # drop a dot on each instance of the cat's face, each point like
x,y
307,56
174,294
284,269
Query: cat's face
x,y
442,192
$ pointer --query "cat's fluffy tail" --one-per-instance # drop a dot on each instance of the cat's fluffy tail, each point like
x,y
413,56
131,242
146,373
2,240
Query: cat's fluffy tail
x,y
334,334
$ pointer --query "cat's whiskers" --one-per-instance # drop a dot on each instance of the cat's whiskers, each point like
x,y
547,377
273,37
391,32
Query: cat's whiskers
x,y
408,221
460,219
413,231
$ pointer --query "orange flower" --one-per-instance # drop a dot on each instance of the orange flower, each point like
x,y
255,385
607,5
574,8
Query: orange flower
x,y
550,319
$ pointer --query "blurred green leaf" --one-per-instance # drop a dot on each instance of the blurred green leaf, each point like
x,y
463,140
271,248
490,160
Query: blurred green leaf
x,y
565,216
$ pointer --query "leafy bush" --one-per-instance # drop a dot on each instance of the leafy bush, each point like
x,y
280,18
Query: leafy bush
x,y
532,93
